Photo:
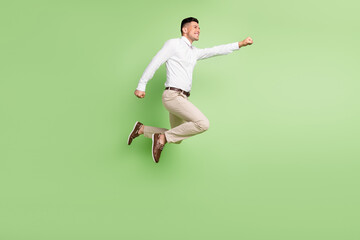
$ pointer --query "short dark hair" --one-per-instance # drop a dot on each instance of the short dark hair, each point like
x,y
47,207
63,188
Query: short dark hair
x,y
187,20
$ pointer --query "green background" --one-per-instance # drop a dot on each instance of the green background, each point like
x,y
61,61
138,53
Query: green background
x,y
280,160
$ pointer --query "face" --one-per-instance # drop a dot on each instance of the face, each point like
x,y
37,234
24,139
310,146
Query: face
x,y
192,31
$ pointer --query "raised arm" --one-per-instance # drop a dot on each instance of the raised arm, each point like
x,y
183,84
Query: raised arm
x,y
222,49
162,56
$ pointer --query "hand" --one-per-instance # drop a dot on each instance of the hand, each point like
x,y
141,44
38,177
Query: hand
x,y
139,94
247,41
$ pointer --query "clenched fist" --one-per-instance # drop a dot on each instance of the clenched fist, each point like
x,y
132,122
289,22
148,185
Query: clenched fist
x,y
247,41
139,94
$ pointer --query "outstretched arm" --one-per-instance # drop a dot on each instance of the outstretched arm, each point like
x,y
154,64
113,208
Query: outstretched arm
x,y
222,49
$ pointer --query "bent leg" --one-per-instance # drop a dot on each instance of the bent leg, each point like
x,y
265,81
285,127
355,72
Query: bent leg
x,y
181,107
149,131
175,121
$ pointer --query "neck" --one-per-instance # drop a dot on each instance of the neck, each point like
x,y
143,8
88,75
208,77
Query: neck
x,y
188,39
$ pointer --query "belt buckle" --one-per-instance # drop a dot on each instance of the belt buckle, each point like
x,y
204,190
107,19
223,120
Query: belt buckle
x,y
187,94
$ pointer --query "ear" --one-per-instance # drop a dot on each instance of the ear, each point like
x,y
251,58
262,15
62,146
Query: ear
x,y
184,29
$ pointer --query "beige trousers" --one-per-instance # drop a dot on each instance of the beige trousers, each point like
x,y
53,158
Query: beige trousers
x,y
186,120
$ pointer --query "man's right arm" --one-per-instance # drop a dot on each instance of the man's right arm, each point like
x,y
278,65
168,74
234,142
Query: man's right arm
x,y
162,56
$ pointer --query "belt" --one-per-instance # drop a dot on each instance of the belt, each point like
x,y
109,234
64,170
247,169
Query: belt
x,y
179,90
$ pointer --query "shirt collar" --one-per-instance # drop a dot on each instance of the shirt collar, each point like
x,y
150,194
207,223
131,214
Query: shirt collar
x,y
186,40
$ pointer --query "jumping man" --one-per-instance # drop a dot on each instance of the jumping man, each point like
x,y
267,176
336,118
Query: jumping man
x,y
180,55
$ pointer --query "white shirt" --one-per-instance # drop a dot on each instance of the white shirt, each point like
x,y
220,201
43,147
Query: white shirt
x,y
180,57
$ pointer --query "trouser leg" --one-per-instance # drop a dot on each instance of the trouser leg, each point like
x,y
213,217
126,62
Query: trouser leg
x,y
175,121
195,121
149,131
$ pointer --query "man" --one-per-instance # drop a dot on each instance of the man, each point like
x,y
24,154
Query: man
x,y
180,56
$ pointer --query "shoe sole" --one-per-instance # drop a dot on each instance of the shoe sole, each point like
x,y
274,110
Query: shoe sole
x,y
131,133
152,148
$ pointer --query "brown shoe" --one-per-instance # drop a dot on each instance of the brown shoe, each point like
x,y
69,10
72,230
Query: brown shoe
x,y
135,132
157,147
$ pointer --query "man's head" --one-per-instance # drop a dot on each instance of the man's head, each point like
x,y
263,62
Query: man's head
x,y
190,29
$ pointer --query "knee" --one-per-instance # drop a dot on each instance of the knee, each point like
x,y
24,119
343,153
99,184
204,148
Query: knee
x,y
203,124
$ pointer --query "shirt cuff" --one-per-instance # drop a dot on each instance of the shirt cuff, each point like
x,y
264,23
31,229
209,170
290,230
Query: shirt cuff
x,y
235,46
141,87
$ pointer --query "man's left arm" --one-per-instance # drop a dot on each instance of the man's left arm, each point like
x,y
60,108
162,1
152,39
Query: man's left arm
x,y
222,49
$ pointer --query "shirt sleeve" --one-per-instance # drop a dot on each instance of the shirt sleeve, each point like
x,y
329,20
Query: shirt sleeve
x,y
162,56
217,50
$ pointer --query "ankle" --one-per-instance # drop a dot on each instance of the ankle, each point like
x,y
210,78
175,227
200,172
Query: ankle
x,y
162,139
141,130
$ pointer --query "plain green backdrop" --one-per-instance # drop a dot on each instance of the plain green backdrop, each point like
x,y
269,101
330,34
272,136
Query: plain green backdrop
x,y
279,162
